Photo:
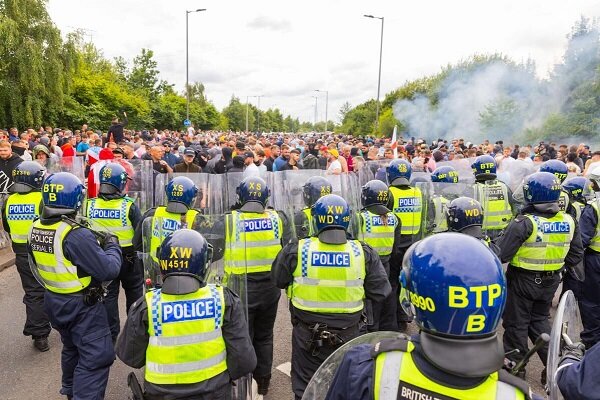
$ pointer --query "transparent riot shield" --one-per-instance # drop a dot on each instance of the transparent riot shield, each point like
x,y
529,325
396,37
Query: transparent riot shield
x,y
200,180
462,166
140,184
493,195
436,198
566,328
74,165
321,381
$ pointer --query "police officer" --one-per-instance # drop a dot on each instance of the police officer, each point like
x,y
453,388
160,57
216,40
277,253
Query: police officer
x,y
379,228
314,188
254,236
494,196
457,302
577,374
115,212
22,207
464,215
178,213
538,244
560,170
580,191
191,336
438,203
408,207
589,294
327,278
71,265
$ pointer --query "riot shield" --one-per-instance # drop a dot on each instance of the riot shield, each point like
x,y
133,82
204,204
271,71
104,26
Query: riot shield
x,y
436,198
566,328
74,165
140,185
462,166
200,180
321,381
288,189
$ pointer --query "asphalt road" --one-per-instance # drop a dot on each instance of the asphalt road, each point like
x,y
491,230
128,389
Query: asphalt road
x,y
27,374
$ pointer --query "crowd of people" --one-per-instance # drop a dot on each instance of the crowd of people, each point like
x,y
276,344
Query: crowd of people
x,y
529,207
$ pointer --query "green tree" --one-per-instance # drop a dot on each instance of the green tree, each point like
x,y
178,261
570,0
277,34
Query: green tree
x,y
144,74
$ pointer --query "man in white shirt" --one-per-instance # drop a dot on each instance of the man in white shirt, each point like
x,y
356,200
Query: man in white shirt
x,y
251,169
333,165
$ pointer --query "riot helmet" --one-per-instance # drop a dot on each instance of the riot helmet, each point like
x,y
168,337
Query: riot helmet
x,y
381,175
541,187
445,174
315,188
331,216
376,196
462,213
62,193
27,176
457,302
484,166
181,194
399,172
555,167
253,194
579,189
186,253
113,179
594,176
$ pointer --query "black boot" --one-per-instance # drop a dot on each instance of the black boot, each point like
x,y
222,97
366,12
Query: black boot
x,y
41,343
263,384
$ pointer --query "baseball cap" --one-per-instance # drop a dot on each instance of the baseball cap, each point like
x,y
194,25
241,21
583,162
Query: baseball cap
x,y
189,152
248,154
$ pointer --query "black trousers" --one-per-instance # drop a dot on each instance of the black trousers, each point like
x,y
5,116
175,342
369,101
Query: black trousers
x,y
36,320
589,300
384,312
263,299
395,268
305,361
131,278
527,312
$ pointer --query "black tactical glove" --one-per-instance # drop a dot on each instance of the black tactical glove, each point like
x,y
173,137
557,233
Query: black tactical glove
x,y
110,239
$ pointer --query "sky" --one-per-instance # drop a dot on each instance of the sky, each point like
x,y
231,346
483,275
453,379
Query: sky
x,y
284,50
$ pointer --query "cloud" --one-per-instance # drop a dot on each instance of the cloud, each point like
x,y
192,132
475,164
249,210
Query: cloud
x,y
269,23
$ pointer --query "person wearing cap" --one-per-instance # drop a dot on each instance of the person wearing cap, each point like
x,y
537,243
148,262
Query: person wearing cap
x,y
333,165
250,168
41,154
327,278
293,163
169,157
188,165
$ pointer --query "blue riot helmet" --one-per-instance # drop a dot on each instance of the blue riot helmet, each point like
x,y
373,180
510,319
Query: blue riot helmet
x,y
315,188
253,194
62,193
579,189
556,167
27,176
485,166
457,302
462,213
381,175
113,179
445,174
376,195
185,252
541,187
181,194
398,172
331,216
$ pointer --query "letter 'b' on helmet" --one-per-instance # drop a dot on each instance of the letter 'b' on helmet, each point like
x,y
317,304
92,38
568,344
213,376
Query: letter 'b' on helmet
x,y
113,179
27,176
253,189
315,188
454,285
555,167
444,174
185,252
464,212
484,165
541,187
399,170
331,212
62,192
181,194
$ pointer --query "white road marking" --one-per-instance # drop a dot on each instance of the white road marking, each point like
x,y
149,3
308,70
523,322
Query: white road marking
x,y
286,368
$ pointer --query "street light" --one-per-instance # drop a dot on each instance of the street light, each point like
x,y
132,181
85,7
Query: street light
x,y
187,62
379,79
316,103
326,104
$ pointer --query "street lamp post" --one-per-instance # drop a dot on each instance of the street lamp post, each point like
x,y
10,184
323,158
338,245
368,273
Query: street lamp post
x,y
187,63
316,108
379,78
326,104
